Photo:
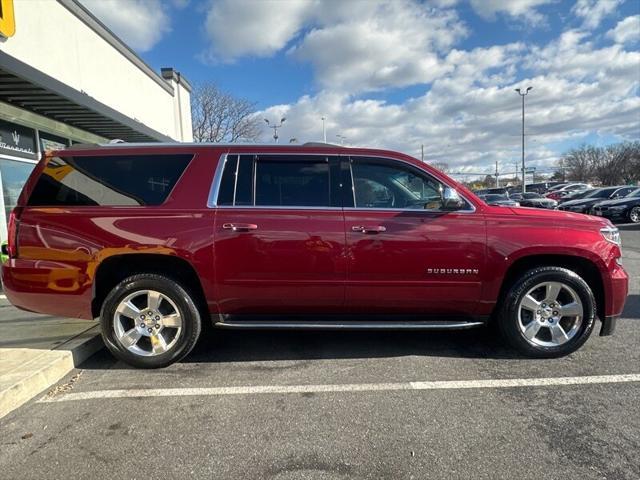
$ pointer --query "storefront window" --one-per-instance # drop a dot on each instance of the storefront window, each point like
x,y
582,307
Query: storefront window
x,y
14,175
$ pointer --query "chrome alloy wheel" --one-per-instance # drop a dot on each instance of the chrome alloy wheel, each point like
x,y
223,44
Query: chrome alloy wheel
x,y
550,314
634,215
147,323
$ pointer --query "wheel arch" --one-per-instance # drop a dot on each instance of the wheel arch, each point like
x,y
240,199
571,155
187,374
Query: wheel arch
x,y
116,268
586,268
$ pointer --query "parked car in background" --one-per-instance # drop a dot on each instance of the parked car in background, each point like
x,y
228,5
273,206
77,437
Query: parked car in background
x,y
584,205
542,187
156,239
626,209
535,200
566,190
493,191
575,195
499,200
557,186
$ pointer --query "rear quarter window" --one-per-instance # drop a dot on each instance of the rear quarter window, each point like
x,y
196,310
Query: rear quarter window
x,y
116,180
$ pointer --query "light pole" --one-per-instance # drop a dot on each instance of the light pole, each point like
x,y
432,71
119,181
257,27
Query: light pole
x,y
524,188
324,131
275,128
342,138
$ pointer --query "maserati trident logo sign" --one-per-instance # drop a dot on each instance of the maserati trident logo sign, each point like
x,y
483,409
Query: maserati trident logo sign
x,y
16,137
452,271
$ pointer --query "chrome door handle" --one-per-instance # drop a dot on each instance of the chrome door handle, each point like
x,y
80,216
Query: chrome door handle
x,y
240,227
363,229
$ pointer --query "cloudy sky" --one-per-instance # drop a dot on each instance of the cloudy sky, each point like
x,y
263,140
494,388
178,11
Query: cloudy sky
x,y
404,73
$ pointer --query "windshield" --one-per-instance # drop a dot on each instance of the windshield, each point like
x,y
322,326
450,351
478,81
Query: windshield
x,y
577,195
635,193
602,193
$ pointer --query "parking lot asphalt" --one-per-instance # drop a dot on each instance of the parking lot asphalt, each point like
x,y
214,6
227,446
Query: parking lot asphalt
x,y
347,406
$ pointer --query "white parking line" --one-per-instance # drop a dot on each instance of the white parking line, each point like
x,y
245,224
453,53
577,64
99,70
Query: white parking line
x,y
3,297
354,387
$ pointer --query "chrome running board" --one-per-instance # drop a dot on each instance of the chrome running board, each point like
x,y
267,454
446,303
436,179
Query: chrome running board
x,y
346,325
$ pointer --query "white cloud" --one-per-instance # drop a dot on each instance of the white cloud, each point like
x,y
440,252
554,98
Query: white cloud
x,y
258,28
470,116
444,3
467,114
389,45
141,24
593,11
515,8
355,46
626,31
573,57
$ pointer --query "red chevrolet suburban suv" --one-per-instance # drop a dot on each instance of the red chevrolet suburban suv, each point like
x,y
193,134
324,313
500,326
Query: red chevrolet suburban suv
x,y
157,239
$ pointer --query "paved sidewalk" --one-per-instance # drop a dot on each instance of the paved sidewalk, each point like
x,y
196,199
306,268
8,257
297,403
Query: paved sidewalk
x,y
36,351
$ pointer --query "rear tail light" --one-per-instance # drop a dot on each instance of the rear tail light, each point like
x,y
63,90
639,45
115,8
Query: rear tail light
x,y
14,225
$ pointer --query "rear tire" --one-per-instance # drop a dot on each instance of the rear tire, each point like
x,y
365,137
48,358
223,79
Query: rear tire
x,y
549,312
150,321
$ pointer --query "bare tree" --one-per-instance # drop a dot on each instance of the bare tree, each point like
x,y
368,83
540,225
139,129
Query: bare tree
x,y
579,162
220,117
621,164
442,166
613,165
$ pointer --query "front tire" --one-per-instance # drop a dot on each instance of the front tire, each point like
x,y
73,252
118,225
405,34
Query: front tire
x,y
150,321
634,215
549,312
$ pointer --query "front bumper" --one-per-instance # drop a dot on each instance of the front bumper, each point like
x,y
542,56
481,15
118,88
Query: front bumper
x,y
616,289
610,214
580,209
608,325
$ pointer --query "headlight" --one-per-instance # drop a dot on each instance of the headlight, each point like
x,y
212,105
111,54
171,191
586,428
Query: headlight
x,y
611,234
618,208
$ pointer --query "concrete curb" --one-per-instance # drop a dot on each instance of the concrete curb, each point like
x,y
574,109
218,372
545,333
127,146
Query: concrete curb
x,y
37,370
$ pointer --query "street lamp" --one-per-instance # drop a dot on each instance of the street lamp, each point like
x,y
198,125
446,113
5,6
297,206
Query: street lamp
x,y
275,127
324,130
524,188
342,139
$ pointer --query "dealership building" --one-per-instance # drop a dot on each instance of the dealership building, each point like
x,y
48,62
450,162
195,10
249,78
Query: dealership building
x,y
66,78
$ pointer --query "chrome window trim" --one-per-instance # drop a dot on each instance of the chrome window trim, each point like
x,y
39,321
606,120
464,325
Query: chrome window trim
x,y
215,184
414,210
217,179
235,180
353,185
275,207
254,176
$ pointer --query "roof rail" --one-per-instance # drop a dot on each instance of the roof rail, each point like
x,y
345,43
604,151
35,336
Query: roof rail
x,y
320,144
83,146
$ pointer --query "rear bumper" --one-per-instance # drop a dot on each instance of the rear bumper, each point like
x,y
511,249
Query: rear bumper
x,y
47,287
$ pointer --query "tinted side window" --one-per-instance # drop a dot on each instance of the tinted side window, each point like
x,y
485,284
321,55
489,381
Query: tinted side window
x,y
624,191
379,183
108,180
292,182
228,181
236,185
244,184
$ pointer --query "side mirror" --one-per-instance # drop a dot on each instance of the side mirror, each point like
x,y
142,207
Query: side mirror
x,y
451,200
